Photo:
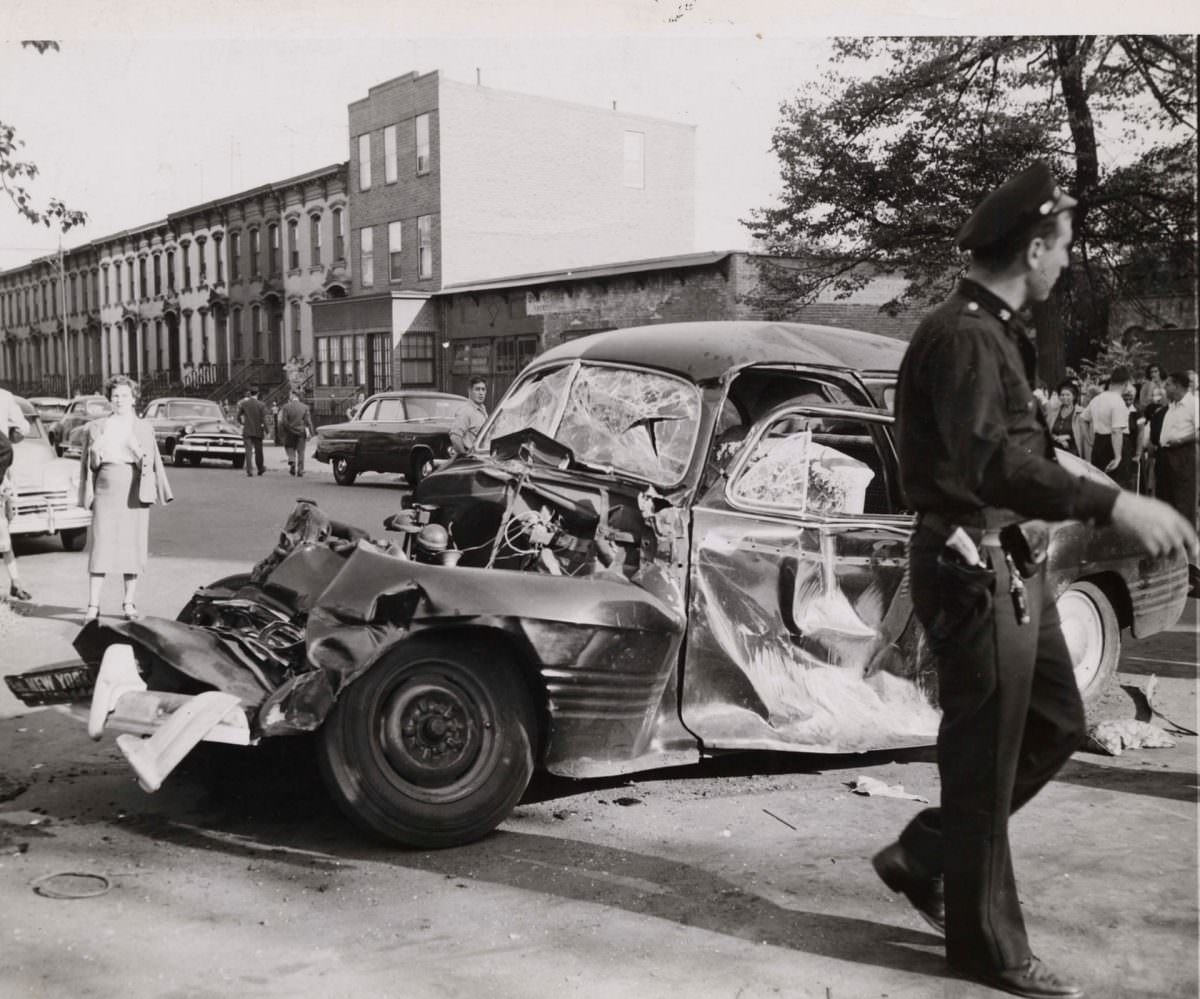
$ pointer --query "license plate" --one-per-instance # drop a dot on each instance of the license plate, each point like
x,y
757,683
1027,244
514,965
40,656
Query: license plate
x,y
53,685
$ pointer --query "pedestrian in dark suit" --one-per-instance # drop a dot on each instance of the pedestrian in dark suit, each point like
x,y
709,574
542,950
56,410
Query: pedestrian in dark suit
x,y
252,414
976,460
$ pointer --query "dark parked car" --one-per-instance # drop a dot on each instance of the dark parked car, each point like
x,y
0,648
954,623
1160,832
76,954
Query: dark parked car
x,y
83,409
669,541
406,432
190,430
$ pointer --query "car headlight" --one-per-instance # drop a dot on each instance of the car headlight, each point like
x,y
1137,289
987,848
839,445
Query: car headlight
x,y
189,428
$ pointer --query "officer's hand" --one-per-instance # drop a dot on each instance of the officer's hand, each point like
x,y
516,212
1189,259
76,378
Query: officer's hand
x,y
1157,527
1112,464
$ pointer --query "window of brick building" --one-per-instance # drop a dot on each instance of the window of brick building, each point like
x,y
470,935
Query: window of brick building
x,y
142,275
339,236
314,238
296,339
157,270
389,154
117,280
293,244
235,256
425,246
170,270
422,144
366,257
364,162
255,253
417,359
256,330
235,333
185,249
218,258
394,247
201,263
272,249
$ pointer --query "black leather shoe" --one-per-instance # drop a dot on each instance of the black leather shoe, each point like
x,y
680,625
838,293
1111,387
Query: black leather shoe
x,y
18,593
926,895
1033,979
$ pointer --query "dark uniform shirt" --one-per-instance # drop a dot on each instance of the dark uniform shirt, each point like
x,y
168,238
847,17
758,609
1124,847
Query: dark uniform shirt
x,y
970,433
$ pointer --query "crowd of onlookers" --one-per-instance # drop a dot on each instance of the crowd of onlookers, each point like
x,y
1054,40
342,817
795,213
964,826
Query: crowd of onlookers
x,y
1130,428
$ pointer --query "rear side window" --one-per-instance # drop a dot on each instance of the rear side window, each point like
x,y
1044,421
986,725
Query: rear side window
x,y
390,411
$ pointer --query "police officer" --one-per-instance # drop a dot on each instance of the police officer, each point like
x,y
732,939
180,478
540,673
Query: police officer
x,y
976,458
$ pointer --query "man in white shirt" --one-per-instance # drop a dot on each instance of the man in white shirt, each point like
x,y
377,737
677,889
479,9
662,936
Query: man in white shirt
x,y
1177,444
1109,418
470,419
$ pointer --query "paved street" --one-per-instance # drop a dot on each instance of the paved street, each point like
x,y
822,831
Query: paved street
x,y
745,876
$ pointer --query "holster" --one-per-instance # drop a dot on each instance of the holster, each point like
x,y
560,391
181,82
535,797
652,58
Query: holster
x,y
1027,544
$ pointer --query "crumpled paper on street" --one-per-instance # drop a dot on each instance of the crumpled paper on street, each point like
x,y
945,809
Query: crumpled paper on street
x,y
1114,737
878,789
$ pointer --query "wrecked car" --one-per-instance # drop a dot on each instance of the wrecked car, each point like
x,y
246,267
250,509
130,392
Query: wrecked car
x,y
668,542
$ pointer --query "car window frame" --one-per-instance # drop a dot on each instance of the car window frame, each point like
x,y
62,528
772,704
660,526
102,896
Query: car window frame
x,y
877,417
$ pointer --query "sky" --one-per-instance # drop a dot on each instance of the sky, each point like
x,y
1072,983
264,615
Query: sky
x,y
150,107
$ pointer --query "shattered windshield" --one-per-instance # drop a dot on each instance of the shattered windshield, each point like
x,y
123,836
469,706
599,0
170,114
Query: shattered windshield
x,y
638,422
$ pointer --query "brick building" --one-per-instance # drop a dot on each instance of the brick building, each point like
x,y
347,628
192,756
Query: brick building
x,y
493,328
183,302
451,183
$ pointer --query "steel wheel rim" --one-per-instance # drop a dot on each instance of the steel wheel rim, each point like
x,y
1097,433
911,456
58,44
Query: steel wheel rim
x,y
1083,631
432,731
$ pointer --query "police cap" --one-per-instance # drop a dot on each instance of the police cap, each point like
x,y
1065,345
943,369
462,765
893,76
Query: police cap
x,y
1031,194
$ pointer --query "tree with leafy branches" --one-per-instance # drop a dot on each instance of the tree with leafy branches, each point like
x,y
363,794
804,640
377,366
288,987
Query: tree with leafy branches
x,y
16,173
884,159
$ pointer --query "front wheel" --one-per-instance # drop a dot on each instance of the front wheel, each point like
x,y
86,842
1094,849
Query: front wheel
x,y
239,461
1093,636
343,472
433,746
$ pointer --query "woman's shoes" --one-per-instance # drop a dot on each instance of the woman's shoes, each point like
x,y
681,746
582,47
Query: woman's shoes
x,y
130,611
18,592
92,612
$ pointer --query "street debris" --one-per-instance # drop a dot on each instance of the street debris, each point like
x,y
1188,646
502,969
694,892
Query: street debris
x,y
627,801
778,819
1114,737
1147,709
71,885
878,789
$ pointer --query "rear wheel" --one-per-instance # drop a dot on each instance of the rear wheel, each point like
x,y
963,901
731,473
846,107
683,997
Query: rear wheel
x,y
343,471
73,539
1093,636
433,746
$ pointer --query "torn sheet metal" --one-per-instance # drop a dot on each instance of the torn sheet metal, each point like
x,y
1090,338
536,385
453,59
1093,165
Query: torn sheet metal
x,y
803,638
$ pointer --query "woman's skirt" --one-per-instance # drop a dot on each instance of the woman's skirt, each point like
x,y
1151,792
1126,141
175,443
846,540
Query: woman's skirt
x,y
120,523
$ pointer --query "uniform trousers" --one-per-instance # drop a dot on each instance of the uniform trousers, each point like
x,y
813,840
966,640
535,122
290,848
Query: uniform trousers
x,y
1011,717
1103,453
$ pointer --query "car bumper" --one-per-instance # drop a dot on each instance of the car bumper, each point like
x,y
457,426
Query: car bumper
x,y
36,515
210,449
159,729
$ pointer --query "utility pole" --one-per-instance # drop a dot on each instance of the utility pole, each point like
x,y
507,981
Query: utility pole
x,y
62,311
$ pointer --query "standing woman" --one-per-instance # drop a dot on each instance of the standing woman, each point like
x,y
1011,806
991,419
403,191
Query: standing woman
x,y
1065,424
1154,380
121,475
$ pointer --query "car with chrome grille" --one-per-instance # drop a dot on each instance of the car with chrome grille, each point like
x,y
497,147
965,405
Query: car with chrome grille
x,y
47,488
668,542
190,430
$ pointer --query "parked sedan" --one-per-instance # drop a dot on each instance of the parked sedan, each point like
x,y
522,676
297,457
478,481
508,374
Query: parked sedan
x,y
668,542
190,430
49,407
83,409
47,488
406,432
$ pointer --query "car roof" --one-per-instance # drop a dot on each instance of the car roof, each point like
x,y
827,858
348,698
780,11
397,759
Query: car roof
x,y
47,400
413,393
25,406
706,350
183,398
